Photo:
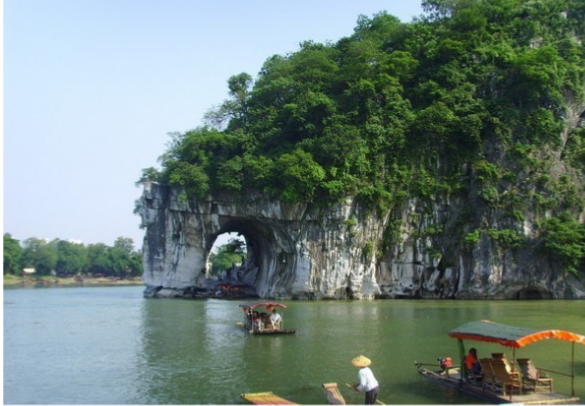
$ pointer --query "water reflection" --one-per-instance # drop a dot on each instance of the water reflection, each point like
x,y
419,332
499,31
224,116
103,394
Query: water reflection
x,y
188,350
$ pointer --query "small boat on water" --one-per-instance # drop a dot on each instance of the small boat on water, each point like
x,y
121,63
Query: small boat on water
x,y
502,380
259,319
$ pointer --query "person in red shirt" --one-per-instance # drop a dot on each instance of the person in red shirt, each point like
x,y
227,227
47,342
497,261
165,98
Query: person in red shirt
x,y
471,362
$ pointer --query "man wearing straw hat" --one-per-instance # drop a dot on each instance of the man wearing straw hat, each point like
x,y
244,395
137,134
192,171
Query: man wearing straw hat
x,y
367,381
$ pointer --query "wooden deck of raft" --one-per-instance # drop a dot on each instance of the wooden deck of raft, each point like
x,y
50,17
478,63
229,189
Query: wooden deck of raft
x,y
266,398
334,397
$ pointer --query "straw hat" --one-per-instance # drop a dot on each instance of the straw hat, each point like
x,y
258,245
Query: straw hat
x,y
361,361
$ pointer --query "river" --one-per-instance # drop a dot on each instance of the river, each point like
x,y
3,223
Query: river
x,y
109,345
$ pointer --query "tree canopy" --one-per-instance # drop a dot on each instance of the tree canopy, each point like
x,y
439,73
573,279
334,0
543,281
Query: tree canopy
x,y
340,118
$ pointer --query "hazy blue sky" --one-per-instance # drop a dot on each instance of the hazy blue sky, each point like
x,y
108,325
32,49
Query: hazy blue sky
x,y
93,87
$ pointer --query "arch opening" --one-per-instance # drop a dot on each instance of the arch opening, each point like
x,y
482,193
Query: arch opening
x,y
533,294
259,250
228,254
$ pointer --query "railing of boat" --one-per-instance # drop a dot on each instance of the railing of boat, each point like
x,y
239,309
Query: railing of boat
x,y
438,366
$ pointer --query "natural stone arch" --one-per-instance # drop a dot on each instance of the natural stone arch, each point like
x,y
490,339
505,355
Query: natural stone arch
x,y
295,251
311,251
269,248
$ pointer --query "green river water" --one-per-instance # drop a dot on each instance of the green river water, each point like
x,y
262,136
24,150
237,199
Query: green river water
x,y
109,345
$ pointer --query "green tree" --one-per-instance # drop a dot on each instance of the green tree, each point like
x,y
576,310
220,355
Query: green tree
x,y
234,109
72,257
99,261
12,255
125,244
135,264
564,239
40,255
192,178
234,252
123,260
150,174
299,176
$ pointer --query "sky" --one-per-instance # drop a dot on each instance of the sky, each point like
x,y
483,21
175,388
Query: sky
x,y
92,88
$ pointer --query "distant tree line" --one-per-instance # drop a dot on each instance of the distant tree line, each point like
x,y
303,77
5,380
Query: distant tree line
x,y
64,258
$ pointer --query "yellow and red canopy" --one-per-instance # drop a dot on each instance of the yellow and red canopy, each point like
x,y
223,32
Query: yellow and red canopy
x,y
510,336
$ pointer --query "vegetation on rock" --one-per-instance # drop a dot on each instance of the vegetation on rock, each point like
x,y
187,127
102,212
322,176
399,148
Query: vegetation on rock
x,y
478,99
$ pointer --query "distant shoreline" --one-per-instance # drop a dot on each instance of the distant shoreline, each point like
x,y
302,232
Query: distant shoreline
x,y
27,281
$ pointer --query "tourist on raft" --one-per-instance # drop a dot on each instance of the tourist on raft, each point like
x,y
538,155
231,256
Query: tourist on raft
x,y
276,320
472,363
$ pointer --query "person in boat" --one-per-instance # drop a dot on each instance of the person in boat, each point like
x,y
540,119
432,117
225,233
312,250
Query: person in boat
x,y
276,320
367,382
258,325
248,315
472,363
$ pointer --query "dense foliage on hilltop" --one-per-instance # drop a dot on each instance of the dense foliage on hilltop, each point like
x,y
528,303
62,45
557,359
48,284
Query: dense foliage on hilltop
x,y
473,95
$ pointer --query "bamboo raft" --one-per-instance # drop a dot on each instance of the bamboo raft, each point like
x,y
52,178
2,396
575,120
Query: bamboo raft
x,y
497,383
452,379
266,398
264,327
334,396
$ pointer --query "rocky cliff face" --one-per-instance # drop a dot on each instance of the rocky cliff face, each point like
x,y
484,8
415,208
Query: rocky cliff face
x,y
344,251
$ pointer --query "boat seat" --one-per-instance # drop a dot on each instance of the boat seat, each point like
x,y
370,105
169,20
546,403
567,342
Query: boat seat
x,y
489,377
509,381
475,377
497,377
501,356
532,377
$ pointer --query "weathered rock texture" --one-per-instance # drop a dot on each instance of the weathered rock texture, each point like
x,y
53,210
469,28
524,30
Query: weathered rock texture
x,y
343,251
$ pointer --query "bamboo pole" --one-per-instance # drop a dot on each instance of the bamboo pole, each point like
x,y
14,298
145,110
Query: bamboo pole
x,y
463,369
349,386
573,369
514,370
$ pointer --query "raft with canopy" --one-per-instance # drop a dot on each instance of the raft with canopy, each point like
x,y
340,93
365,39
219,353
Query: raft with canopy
x,y
257,319
513,337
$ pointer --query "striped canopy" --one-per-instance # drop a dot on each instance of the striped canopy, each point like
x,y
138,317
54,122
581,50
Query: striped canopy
x,y
268,305
509,336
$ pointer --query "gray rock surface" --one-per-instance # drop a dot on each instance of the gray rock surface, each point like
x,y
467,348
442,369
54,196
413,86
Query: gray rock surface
x,y
343,251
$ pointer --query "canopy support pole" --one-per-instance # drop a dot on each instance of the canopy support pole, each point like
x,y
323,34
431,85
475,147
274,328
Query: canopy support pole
x,y
573,368
513,370
463,368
